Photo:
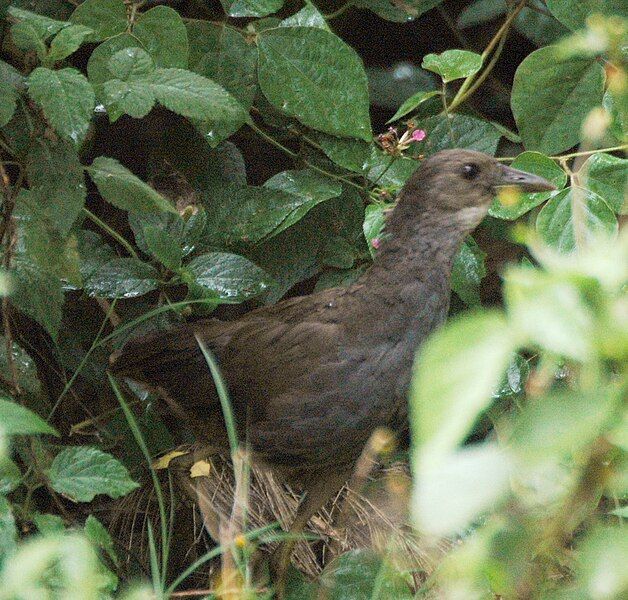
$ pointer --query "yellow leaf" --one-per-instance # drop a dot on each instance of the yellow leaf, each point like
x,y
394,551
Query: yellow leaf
x,y
164,461
200,468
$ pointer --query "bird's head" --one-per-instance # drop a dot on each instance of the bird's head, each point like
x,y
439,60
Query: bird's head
x,y
461,184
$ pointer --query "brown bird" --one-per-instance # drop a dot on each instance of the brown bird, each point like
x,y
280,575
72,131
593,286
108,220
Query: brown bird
x,y
311,378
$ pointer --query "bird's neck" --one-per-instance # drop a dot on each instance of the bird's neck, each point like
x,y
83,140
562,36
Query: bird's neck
x,y
411,271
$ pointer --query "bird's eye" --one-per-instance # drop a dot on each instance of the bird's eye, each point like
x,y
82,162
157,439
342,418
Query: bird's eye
x,y
470,171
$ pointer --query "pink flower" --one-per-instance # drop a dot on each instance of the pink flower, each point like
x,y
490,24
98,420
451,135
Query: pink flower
x,y
376,243
418,135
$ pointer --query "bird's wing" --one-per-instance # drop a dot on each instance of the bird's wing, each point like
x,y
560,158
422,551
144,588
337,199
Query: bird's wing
x,y
261,356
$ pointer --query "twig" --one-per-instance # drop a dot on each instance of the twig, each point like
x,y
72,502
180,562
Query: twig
x,y
562,157
112,232
338,12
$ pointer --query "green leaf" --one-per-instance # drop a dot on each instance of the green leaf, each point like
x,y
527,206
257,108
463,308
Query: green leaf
x,y
82,472
411,103
162,34
374,221
8,102
127,97
106,18
458,131
338,252
248,214
131,63
453,64
223,55
538,164
551,96
18,420
574,14
66,42
452,493
26,38
37,293
193,96
8,530
617,107
45,27
468,271
56,176
389,171
549,312
308,16
94,253
228,276
455,373
353,155
98,535
48,524
313,75
123,189
307,184
601,563
66,98
401,12
555,222
607,176
251,8
546,428
163,247
122,278
361,574
541,28
515,377
10,475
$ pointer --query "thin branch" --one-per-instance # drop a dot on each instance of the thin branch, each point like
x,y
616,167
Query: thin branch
x,y
112,232
561,157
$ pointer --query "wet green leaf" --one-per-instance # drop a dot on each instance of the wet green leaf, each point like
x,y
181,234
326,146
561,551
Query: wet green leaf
x,y
555,223
106,18
607,176
122,278
66,42
468,271
551,96
67,99
308,16
251,8
164,247
228,276
314,76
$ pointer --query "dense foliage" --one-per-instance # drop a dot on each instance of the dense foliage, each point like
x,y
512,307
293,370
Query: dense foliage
x,y
167,160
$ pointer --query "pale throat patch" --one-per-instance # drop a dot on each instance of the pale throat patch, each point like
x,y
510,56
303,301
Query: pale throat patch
x,y
471,215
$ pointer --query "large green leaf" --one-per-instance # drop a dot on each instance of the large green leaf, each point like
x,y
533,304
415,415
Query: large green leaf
x,y
251,8
122,278
314,76
123,189
307,184
67,99
164,247
400,12
374,221
607,176
574,13
249,214
56,176
556,223
36,292
538,164
552,95
82,472
19,420
453,64
66,42
549,312
458,131
162,34
308,16
224,56
455,374
412,103
468,271
106,18
227,276
8,102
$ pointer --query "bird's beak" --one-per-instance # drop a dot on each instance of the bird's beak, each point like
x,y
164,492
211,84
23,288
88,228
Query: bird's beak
x,y
507,176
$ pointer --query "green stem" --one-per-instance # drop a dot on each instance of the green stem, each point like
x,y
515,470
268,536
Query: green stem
x,y
464,92
560,157
114,234
295,155
338,12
